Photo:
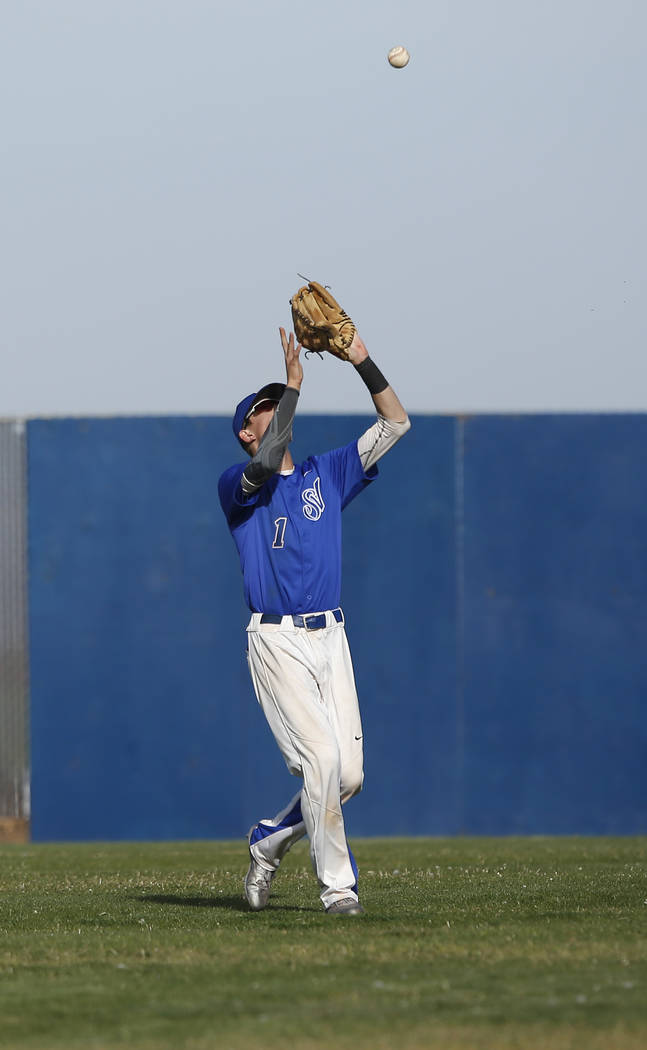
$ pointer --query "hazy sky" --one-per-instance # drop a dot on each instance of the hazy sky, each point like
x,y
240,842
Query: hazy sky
x,y
168,167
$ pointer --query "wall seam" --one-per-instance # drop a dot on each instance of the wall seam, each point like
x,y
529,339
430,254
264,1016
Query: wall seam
x,y
459,556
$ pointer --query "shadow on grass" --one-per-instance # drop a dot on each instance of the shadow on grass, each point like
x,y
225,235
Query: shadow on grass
x,y
231,903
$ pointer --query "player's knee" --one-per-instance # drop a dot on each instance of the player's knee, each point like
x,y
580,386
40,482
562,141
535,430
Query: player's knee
x,y
323,771
352,782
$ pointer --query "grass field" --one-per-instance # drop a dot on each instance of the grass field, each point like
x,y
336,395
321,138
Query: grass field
x,y
467,943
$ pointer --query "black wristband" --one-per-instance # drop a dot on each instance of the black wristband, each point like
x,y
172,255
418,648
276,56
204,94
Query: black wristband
x,y
372,376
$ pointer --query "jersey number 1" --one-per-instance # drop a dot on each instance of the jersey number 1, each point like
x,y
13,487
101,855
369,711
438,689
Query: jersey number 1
x,y
279,534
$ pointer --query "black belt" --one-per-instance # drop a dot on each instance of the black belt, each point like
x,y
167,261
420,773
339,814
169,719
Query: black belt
x,y
311,621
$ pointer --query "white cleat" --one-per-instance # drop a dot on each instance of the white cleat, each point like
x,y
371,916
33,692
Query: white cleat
x,y
257,883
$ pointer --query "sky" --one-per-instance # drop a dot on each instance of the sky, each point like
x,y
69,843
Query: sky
x,y
169,168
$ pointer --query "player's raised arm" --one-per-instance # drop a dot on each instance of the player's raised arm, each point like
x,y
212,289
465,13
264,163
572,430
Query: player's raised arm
x,y
321,324
392,420
267,429
384,397
324,326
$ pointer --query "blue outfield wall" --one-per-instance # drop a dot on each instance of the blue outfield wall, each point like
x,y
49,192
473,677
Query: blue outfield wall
x,y
495,589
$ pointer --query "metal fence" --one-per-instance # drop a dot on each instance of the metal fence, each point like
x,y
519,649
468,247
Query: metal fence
x,y
14,689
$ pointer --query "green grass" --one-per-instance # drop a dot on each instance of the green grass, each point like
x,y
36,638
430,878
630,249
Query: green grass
x,y
467,943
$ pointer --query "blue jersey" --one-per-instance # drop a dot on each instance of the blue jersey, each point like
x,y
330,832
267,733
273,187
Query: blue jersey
x,y
288,533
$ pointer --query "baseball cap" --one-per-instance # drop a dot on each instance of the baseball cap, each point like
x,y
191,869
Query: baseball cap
x,y
269,392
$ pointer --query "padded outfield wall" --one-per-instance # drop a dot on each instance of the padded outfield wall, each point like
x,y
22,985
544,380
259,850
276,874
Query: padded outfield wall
x,y
495,589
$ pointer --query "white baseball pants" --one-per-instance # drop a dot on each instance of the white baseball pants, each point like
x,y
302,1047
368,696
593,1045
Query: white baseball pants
x,y
304,683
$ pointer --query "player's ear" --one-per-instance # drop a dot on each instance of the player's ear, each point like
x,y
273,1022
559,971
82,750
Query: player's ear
x,y
247,439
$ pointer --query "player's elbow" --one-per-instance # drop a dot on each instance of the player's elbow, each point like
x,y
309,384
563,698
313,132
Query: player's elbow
x,y
400,427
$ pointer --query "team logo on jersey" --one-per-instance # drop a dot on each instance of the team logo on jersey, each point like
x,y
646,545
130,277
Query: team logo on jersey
x,y
313,503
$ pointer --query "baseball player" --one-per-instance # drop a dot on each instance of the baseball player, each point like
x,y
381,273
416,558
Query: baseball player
x,y
285,519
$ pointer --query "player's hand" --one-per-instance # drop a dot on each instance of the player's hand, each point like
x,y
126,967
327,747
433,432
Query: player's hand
x,y
357,351
293,366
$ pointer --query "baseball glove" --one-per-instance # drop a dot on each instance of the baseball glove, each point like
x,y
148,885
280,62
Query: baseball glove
x,y
320,323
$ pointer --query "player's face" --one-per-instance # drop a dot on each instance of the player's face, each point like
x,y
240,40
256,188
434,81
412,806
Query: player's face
x,y
260,419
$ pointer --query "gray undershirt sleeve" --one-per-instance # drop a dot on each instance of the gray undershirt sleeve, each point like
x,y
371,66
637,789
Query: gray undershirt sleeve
x,y
273,444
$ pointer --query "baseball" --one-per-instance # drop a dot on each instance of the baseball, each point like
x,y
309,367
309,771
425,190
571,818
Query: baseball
x,y
398,57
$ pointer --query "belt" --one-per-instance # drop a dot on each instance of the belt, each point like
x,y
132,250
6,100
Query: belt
x,y
311,621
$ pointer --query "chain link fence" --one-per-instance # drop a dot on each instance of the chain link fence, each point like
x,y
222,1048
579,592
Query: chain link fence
x,y
14,689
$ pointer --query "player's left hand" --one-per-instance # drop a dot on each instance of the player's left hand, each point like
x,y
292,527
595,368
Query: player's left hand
x,y
293,366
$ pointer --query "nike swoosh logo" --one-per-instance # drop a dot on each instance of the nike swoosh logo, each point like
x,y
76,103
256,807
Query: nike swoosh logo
x,y
358,738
